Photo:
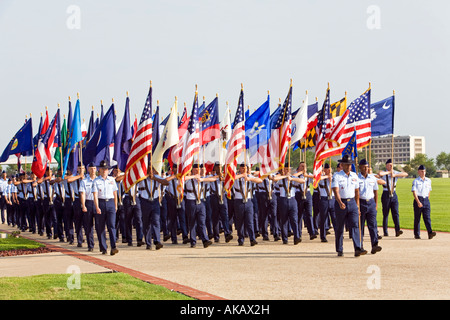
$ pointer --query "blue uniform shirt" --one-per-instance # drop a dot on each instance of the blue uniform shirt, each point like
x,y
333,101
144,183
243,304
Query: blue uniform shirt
x,y
241,183
389,180
86,187
283,186
145,185
367,186
104,187
346,184
421,187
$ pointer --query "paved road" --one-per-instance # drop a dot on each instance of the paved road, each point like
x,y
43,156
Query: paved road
x,y
406,268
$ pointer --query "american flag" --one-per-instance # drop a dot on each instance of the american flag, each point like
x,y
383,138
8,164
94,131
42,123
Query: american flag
x,y
235,146
329,131
137,163
191,146
359,120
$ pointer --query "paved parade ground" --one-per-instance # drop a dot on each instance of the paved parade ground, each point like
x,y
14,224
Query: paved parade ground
x,y
406,268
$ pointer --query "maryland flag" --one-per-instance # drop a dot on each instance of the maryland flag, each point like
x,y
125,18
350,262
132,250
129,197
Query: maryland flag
x,y
338,108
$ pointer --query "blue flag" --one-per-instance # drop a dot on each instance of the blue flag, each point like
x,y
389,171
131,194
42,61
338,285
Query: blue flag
x,y
351,149
122,140
74,137
101,139
156,131
382,116
257,128
22,142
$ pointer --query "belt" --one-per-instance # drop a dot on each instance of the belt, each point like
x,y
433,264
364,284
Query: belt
x,y
347,200
420,197
366,200
106,200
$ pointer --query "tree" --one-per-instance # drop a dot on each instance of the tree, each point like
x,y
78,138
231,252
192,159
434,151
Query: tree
x,y
419,160
443,161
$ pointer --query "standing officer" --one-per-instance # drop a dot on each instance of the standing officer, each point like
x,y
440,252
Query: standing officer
x,y
59,190
3,185
389,198
47,203
175,209
304,201
39,207
195,207
267,206
219,206
151,209
75,185
421,189
288,204
87,204
22,195
368,203
68,205
7,195
32,203
104,189
327,202
243,205
132,212
345,186
120,215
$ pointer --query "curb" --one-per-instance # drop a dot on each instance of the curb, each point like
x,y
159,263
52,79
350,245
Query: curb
x,y
188,291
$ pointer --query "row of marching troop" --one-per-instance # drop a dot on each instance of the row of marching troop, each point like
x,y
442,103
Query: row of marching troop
x,y
277,205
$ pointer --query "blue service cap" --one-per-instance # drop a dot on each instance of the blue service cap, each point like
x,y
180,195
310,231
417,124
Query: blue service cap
x,y
421,167
363,162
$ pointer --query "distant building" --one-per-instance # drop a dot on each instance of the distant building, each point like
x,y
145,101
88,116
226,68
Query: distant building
x,y
405,148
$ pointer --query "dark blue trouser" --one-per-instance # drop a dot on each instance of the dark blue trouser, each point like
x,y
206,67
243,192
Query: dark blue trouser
x,y
32,214
78,220
231,218
107,219
243,215
49,217
176,217
305,213
88,223
24,213
2,207
390,203
268,214
369,214
59,212
196,215
68,219
39,216
425,213
219,212
289,214
351,215
132,213
163,217
208,218
316,209
151,218
327,210
120,220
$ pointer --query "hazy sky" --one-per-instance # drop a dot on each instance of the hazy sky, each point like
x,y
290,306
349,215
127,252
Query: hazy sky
x,y
121,45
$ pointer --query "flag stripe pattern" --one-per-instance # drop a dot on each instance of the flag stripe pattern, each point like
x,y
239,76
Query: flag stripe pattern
x,y
191,146
137,163
235,146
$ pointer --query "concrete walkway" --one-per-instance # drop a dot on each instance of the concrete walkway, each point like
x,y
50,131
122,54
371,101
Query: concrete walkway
x,y
406,268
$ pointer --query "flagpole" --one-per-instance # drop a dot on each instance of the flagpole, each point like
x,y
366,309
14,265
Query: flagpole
x,y
392,143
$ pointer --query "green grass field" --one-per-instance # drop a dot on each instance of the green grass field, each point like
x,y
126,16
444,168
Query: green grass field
x,y
103,286
440,212
18,243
